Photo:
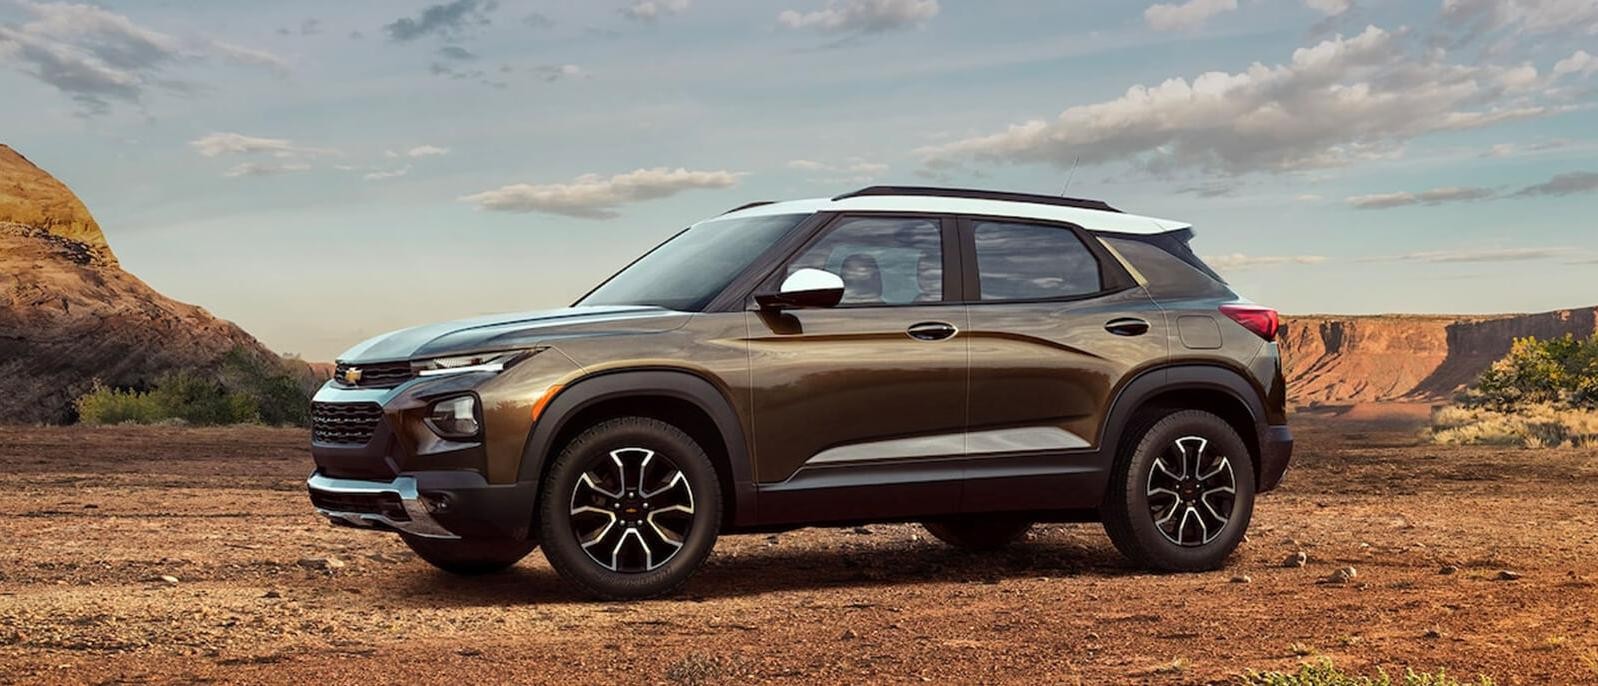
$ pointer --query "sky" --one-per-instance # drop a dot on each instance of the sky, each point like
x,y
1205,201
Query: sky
x,y
323,172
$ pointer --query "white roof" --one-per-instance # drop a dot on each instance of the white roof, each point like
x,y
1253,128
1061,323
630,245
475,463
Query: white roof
x,y
1099,220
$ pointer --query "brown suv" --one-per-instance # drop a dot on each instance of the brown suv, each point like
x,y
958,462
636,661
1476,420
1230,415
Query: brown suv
x,y
972,360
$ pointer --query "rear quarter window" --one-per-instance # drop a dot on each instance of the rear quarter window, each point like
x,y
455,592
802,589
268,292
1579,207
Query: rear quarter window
x,y
1167,275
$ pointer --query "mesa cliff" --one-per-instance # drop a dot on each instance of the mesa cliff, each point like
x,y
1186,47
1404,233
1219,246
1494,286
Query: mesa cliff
x,y
1340,360
70,315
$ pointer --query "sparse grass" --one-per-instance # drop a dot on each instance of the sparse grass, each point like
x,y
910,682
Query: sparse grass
x,y
1324,673
243,391
1589,659
698,669
1534,426
1301,649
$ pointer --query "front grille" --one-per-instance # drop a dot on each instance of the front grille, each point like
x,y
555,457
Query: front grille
x,y
381,375
344,423
386,504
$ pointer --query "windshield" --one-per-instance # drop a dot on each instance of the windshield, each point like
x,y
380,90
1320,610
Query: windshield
x,y
685,272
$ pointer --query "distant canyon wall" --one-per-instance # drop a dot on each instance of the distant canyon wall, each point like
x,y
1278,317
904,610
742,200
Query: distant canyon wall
x,y
1340,360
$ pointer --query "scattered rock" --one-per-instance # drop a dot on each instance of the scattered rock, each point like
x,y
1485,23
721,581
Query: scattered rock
x,y
1433,632
1341,576
849,635
862,530
468,652
1241,579
773,539
1446,570
272,594
167,579
1296,559
1506,575
321,564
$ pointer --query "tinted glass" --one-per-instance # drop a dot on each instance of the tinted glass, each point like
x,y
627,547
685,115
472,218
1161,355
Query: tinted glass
x,y
883,260
1168,275
1030,262
689,270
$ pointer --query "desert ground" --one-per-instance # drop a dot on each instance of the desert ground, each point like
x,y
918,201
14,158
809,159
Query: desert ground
x,y
94,518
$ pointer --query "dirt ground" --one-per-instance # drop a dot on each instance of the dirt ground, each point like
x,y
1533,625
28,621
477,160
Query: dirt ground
x,y
92,518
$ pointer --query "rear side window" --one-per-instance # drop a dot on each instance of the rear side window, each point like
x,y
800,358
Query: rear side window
x,y
1032,262
1168,274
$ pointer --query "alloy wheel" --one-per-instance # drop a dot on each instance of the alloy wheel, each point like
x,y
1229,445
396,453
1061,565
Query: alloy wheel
x,y
1191,491
633,512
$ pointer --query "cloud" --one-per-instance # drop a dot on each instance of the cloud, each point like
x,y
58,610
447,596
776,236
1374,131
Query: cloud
x,y
851,170
1330,8
862,16
449,19
1511,149
456,52
538,20
426,151
1186,16
1239,261
592,196
1479,255
214,144
557,72
1340,101
387,174
97,57
1477,17
1435,196
650,11
1578,62
1562,184
264,169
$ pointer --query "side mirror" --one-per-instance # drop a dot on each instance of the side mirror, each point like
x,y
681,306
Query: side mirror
x,y
804,288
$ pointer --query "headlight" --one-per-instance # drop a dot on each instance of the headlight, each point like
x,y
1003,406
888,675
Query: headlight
x,y
454,417
484,362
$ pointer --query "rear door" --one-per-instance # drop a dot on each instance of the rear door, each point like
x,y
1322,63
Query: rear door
x,y
1056,326
859,409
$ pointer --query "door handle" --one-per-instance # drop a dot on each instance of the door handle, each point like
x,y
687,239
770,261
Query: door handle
x,y
1127,326
931,331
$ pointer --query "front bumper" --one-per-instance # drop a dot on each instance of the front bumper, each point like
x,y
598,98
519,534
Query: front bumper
x,y
464,505
372,505
1276,450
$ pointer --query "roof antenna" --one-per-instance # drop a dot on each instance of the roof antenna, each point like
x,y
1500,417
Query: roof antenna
x,y
1070,176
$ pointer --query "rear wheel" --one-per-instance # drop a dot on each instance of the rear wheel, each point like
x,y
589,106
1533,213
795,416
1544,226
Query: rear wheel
x,y
630,508
979,532
469,556
1181,498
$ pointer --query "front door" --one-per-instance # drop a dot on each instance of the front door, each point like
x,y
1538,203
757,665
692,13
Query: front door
x,y
860,409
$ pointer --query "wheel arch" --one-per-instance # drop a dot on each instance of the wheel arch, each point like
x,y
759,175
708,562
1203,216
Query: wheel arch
x,y
1223,391
679,397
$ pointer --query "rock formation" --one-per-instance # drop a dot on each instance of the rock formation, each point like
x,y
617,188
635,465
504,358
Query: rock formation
x,y
69,314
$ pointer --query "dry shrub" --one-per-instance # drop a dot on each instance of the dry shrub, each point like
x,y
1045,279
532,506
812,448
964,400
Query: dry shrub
x,y
1541,425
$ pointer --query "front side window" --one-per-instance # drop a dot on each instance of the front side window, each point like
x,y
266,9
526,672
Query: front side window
x,y
688,271
1032,262
883,260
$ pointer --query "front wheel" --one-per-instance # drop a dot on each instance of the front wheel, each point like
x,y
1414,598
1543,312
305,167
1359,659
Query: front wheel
x,y
630,508
469,556
1181,498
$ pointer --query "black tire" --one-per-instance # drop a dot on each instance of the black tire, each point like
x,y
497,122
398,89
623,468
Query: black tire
x,y
1141,505
979,532
627,570
469,556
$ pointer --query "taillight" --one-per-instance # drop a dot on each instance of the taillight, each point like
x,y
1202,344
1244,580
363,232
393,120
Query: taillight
x,y
1263,321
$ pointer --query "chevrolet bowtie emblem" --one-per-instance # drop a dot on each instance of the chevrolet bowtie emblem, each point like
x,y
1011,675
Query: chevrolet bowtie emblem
x,y
352,375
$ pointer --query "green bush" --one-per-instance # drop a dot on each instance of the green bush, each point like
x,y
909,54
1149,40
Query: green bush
x,y
245,390
1322,673
1560,371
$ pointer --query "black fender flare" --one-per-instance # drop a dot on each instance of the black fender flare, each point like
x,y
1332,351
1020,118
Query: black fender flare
x,y
1153,382
674,383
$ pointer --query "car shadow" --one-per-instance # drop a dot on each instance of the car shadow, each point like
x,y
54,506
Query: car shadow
x,y
757,570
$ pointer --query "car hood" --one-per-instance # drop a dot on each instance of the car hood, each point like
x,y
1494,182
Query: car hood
x,y
512,331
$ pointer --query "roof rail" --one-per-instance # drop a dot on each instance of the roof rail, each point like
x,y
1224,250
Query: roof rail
x,y
976,194
748,205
